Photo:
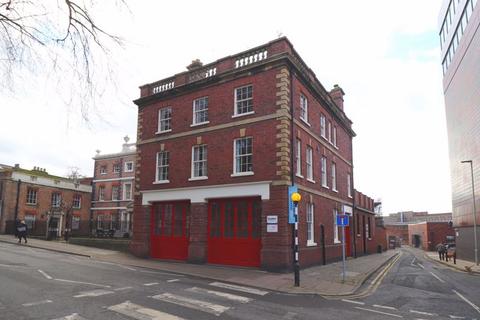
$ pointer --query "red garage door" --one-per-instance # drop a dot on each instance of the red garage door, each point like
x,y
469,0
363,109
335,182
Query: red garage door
x,y
169,230
234,230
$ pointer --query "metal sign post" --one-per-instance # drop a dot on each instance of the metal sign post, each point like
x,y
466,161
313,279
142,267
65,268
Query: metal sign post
x,y
343,254
342,220
295,198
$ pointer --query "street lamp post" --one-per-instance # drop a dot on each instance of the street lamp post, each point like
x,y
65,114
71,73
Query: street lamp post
x,y
474,211
296,197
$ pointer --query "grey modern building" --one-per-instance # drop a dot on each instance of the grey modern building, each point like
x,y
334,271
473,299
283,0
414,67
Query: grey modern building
x,y
459,23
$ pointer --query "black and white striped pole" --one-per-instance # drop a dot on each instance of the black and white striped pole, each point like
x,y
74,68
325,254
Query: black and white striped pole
x,y
296,197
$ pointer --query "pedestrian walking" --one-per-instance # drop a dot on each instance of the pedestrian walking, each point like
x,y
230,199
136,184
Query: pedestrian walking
x,y
441,251
22,231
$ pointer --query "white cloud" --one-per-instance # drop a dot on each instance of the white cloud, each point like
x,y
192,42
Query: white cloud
x,y
395,101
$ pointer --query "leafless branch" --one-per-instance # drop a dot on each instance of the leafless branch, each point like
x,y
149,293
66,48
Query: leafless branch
x,y
30,31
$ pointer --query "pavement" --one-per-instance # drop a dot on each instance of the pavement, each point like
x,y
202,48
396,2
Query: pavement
x,y
321,280
461,265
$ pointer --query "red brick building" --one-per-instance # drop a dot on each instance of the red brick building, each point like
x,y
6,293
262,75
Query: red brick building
x,y
112,203
219,145
426,235
49,204
365,227
397,224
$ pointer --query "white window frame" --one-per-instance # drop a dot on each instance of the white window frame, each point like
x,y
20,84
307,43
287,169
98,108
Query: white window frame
x,y
164,122
56,200
329,131
127,163
103,169
165,164
336,239
117,168
127,191
236,155
310,224
239,101
32,193
335,136
101,219
116,195
349,185
197,104
201,162
298,158
101,193
304,109
323,125
77,201
75,223
30,220
309,161
324,172
333,172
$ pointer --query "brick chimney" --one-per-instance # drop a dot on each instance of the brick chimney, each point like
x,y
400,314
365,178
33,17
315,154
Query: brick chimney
x,y
337,95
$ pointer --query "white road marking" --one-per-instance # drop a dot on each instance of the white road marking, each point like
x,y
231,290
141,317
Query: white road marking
x,y
376,311
36,303
384,307
421,266
136,311
81,282
228,296
128,268
45,275
424,313
467,301
239,288
116,264
204,306
93,293
150,284
11,266
290,315
411,263
353,301
73,316
438,278
173,280
121,289
456,317
162,273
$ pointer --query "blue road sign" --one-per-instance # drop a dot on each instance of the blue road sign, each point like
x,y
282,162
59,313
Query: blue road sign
x,y
291,207
342,220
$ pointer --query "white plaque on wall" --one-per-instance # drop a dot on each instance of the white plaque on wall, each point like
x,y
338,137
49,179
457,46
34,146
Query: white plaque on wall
x,y
272,227
272,219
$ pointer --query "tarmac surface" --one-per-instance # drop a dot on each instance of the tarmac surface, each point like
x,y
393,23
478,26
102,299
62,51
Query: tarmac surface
x,y
322,280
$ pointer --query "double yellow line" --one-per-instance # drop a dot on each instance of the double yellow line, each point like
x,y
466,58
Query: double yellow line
x,y
372,287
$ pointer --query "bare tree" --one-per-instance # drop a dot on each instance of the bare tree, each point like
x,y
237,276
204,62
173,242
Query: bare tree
x,y
74,173
60,36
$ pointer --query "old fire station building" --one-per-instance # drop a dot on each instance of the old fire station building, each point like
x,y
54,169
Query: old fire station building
x,y
219,145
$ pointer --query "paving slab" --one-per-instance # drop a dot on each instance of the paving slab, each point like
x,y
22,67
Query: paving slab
x,y
321,280
461,265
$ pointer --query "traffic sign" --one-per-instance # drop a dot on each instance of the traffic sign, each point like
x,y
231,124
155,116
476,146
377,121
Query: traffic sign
x,y
342,220
291,206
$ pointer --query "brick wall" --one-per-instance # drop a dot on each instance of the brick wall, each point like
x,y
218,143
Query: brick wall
x,y
398,231
274,84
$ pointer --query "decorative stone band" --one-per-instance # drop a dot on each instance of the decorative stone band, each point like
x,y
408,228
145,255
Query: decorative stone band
x,y
202,194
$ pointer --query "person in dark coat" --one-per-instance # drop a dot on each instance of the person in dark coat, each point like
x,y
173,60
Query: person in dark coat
x,y
22,231
441,251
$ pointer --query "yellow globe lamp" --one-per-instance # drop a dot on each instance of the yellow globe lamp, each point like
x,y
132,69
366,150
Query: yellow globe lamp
x,y
296,197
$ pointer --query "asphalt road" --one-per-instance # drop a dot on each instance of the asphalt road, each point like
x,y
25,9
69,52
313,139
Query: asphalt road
x,y
418,288
39,284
